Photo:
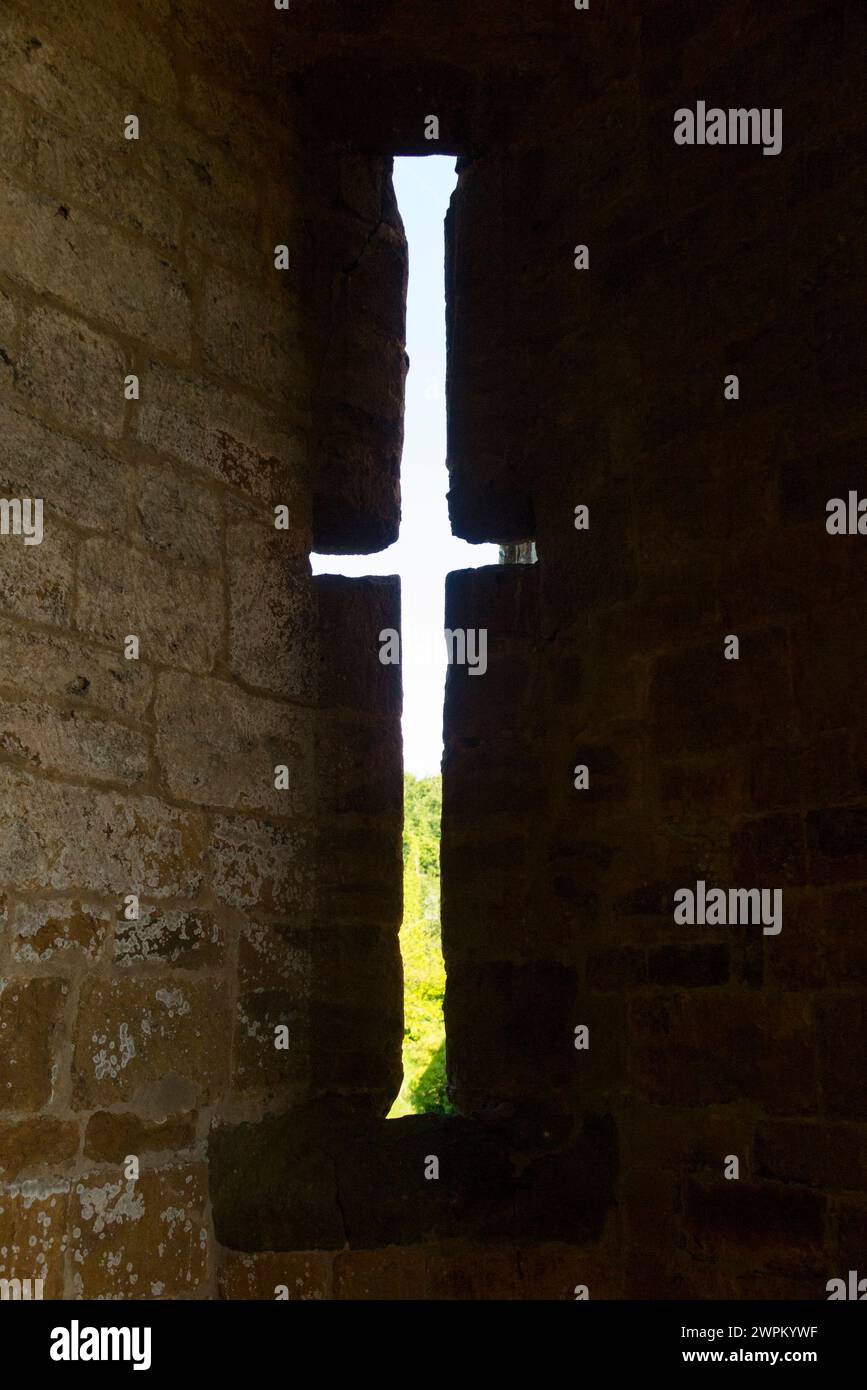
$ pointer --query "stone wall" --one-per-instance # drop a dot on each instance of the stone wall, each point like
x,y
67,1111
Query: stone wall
x,y
263,908
605,387
155,777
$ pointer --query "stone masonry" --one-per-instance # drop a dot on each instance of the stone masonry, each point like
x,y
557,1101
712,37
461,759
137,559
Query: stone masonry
x,y
173,389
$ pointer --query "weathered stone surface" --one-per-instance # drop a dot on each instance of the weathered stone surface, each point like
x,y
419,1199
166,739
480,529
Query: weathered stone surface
x,y
111,1136
272,612
770,849
122,46
132,1032
358,765
179,519
40,586
30,1012
798,776
8,336
142,1240
232,245
258,1064
49,246
356,1023
42,1142
240,122
836,843
202,172
227,436
71,373
359,878
176,937
275,970
554,1271
567,1194
60,931
219,746
56,79
842,1046
688,1048
317,1160
527,1016
843,943
262,866
33,1217
49,664
270,955
305,1277
58,837
251,335
47,739
698,700
174,612
83,485
105,175
288,1157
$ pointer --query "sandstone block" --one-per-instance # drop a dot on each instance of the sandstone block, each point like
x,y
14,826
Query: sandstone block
x,y
306,1276
132,1032
113,39
40,1143
272,612
82,484
112,1135
102,173
30,1012
699,701
226,436
262,867
473,1275
68,742
754,1215
174,612
698,1049
837,844
219,746
68,371
769,851
38,584
58,837
817,1154
54,248
351,615
252,335
58,932
33,1239
47,664
272,956
178,937
147,1239
257,1064
179,519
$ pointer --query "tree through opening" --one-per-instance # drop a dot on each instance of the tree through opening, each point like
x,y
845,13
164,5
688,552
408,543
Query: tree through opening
x,y
424,553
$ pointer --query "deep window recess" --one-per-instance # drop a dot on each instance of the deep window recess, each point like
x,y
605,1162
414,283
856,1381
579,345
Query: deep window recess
x,y
423,554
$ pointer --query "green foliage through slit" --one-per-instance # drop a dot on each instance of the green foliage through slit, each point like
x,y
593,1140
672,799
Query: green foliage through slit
x,y
424,1072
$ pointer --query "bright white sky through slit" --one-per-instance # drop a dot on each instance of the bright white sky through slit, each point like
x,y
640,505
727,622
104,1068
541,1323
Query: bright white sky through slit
x,y
426,549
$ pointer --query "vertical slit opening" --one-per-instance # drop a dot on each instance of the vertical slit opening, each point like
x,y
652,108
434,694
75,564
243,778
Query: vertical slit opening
x,y
424,553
